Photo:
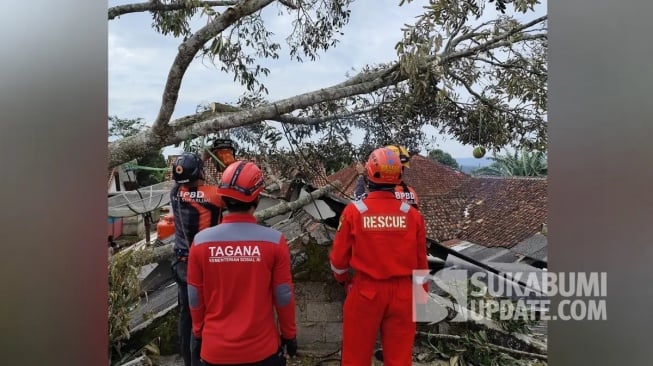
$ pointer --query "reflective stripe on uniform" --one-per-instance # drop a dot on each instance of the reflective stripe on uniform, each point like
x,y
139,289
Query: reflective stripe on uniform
x,y
338,270
360,206
233,231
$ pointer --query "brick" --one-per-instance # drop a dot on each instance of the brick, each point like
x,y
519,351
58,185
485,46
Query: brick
x,y
308,333
333,332
323,311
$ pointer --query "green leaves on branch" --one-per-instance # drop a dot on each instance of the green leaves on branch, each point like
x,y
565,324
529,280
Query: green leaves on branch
x,y
316,27
485,83
523,163
124,294
239,50
175,22
125,127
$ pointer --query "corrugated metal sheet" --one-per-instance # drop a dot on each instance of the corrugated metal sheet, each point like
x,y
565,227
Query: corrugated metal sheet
x,y
534,247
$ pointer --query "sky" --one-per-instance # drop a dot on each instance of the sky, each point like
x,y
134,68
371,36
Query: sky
x,y
139,61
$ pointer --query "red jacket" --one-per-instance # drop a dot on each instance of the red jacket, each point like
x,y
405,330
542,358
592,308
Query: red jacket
x,y
238,272
380,237
407,194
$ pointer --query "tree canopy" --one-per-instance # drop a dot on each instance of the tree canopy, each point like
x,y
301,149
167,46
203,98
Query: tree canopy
x,y
481,81
522,163
443,157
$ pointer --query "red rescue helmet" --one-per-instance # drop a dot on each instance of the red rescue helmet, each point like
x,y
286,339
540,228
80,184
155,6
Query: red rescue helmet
x,y
241,181
384,167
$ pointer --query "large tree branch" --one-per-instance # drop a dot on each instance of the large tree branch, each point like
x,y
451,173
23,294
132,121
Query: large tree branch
x,y
292,120
137,145
221,108
155,5
448,55
125,149
187,52
502,40
487,344
276,109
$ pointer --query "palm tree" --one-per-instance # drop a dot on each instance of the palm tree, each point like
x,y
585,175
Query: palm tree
x,y
522,163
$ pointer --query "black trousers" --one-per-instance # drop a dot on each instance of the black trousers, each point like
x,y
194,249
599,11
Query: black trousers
x,y
188,344
276,359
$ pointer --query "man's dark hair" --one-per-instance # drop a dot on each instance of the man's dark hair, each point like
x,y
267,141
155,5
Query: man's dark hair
x,y
239,206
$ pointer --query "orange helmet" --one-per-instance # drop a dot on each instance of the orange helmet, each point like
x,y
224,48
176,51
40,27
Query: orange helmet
x,y
383,167
241,181
225,152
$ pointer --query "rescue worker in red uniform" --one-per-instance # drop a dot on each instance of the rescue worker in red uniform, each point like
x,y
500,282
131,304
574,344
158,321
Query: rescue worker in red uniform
x,y
238,273
195,206
382,240
403,191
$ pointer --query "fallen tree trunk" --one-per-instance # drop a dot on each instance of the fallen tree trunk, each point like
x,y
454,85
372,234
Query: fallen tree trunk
x,y
284,207
151,255
487,324
488,344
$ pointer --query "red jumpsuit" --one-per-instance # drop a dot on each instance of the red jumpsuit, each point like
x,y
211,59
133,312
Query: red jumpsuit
x,y
406,193
383,240
237,272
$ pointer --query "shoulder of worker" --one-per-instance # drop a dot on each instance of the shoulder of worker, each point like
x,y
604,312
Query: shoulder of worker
x,y
239,232
211,194
355,207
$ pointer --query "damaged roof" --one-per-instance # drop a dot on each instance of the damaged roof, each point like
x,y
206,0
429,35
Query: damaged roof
x,y
502,211
490,211
431,178
534,247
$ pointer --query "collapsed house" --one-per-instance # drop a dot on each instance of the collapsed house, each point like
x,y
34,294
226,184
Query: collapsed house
x,y
491,224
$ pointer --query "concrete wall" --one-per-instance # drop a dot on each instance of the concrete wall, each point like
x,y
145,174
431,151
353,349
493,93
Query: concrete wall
x,y
133,226
319,315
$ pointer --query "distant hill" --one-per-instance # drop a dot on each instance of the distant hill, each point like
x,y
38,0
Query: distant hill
x,y
469,164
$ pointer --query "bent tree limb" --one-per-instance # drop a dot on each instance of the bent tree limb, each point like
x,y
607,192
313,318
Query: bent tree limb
x,y
125,149
286,118
164,252
451,337
163,133
190,48
155,5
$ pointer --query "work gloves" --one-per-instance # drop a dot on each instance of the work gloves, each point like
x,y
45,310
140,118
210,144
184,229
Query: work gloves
x,y
290,345
346,285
